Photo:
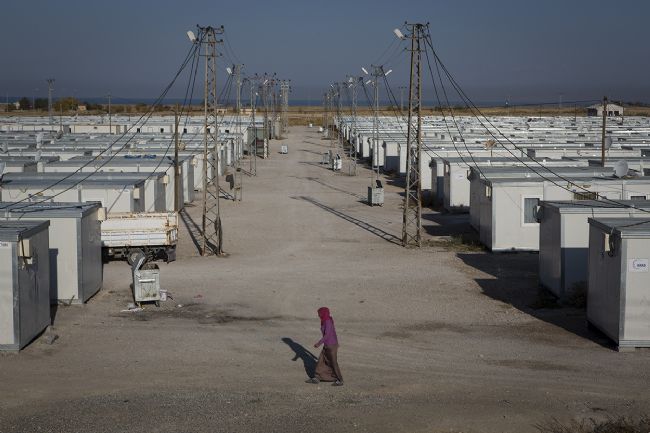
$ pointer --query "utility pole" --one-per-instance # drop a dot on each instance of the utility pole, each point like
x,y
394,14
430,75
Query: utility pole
x,y
34,99
326,102
265,101
177,168
284,106
50,88
353,151
211,229
330,117
575,112
253,155
325,113
622,113
378,71
602,150
110,118
60,118
275,110
336,120
238,143
412,217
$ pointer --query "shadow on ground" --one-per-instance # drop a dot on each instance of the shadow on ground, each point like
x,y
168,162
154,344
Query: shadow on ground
x,y
308,359
446,224
192,228
327,185
515,282
360,223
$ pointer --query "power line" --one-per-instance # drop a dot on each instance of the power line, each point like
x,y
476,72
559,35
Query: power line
x,y
473,107
147,115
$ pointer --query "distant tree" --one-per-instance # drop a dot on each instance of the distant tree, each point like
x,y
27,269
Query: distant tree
x,y
24,103
66,104
40,103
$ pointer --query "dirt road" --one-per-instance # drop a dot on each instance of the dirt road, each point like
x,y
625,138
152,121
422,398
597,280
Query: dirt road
x,y
431,340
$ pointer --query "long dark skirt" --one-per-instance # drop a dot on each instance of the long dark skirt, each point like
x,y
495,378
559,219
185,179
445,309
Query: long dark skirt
x,y
327,367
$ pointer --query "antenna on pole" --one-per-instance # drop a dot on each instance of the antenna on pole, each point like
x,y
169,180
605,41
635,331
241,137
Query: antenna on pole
x,y
412,217
50,88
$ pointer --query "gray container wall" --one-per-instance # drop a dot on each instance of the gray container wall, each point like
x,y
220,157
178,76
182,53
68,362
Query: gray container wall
x,y
76,269
24,291
618,302
564,244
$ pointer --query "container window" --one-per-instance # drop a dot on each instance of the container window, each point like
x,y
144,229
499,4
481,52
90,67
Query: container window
x,y
588,195
530,204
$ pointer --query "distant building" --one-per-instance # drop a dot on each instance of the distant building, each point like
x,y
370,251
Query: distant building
x,y
613,110
82,108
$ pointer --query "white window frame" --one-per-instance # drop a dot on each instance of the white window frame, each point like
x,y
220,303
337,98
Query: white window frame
x,y
523,207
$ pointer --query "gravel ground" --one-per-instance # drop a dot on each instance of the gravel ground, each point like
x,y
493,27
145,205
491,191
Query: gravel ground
x,y
431,339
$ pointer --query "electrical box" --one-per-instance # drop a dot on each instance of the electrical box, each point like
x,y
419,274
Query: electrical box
x,y
375,196
146,283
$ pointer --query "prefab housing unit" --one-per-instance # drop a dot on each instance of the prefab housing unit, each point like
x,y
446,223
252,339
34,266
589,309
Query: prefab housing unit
x,y
564,240
618,297
156,197
76,268
24,282
137,165
115,196
456,184
477,191
508,206
391,157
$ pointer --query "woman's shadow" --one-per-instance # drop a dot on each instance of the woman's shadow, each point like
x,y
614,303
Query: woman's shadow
x,y
308,358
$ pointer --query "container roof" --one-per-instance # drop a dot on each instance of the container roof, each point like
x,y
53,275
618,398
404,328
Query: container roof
x,y
48,209
13,231
591,206
625,227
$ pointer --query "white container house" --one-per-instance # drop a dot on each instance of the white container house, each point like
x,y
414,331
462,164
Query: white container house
x,y
564,240
76,268
507,207
618,300
25,282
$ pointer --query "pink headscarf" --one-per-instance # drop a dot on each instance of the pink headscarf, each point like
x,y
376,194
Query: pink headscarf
x,y
324,314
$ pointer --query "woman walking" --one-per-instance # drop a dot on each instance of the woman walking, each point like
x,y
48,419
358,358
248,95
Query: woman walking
x,y
327,367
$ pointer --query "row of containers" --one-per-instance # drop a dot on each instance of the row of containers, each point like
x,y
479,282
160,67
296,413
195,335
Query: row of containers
x,y
51,252
590,223
113,205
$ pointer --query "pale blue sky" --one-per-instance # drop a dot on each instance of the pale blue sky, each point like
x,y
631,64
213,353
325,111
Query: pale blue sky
x,y
527,50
